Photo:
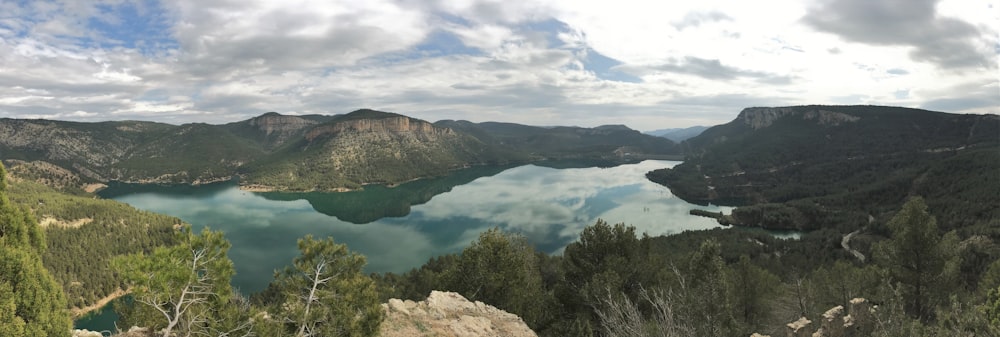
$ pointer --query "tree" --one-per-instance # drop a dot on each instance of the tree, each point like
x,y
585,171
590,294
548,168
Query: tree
x,y
502,269
325,293
606,257
918,258
753,287
30,299
705,288
183,288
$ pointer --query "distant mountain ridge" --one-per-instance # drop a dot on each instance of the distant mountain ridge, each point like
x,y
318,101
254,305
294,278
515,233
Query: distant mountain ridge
x,y
813,166
305,153
678,134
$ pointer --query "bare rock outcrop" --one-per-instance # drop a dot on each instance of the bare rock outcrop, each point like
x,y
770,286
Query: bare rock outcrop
x,y
759,118
448,314
855,321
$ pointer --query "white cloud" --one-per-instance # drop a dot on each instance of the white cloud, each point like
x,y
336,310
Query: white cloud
x,y
533,61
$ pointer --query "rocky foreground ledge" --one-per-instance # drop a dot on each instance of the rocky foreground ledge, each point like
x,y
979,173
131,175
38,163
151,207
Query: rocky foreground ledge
x,y
443,314
448,314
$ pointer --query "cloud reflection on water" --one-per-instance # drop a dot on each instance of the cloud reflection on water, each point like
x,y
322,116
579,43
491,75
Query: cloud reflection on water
x,y
550,206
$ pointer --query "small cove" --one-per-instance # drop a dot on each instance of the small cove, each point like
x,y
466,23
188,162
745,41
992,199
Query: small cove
x,y
399,228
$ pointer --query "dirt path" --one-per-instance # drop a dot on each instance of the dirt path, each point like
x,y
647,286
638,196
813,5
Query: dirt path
x,y
79,312
846,243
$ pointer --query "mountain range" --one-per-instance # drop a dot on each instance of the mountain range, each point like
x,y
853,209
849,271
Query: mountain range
x,y
275,152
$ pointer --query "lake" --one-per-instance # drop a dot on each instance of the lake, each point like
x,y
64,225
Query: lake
x,y
399,228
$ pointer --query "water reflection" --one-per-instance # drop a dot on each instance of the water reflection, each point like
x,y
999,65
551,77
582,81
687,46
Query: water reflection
x,y
377,201
550,206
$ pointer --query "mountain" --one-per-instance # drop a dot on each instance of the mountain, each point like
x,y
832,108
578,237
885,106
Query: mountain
x,y
366,146
273,130
678,134
565,142
814,166
274,152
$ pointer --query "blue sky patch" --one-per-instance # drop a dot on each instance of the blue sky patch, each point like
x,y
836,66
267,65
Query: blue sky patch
x,y
604,68
144,27
441,42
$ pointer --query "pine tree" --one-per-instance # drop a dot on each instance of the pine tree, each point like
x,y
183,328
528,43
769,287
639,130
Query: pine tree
x,y
326,293
182,288
919,259
501,269
30,299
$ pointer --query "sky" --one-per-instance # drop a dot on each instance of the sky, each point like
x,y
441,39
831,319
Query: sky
x,y
642,63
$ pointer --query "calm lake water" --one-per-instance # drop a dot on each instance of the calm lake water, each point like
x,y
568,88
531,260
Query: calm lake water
x,y
399,228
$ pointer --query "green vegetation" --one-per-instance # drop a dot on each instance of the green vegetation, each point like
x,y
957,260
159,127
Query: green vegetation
x,y
721,282
808,167
919,259
324,293
83,235
31,302
184,290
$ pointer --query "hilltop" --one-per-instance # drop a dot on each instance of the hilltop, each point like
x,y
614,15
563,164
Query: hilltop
x,y
275,152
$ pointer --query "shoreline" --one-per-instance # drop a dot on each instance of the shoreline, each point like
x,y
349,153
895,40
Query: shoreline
x,y
77,313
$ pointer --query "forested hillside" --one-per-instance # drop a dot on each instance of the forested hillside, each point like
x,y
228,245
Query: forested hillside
x,y
83,234
31,301
807,167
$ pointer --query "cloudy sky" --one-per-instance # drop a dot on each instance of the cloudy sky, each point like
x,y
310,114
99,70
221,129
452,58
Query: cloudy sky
x,y
646,64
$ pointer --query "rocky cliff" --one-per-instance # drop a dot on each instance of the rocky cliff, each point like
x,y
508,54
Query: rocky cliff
x,y
447,314
275,130
759,118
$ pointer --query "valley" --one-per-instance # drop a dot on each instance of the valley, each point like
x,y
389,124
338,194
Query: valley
x,y
570,214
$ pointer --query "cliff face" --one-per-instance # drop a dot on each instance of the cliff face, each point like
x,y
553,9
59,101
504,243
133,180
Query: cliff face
x,y
448,314
278,124
276,130
400,124
759,118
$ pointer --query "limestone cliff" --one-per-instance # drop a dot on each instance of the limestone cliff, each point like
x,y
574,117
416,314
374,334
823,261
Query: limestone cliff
x,y
759,118
276,130
448,314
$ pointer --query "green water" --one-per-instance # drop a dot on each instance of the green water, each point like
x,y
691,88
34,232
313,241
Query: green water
x,y
399,228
